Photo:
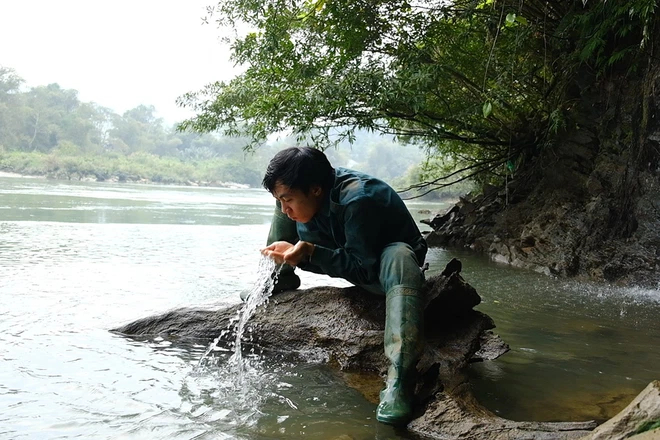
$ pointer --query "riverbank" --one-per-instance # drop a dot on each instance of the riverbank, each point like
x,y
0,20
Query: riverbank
x,y
18,175
140,168
583,213
116,179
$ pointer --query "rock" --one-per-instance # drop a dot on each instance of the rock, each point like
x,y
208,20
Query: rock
x,y
340,325
648,435
587,212
455,414
439,220
491,346
454,266
644,409
344,326
489,190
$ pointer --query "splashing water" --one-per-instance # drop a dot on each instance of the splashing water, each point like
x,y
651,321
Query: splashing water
x,y
242,382
267,274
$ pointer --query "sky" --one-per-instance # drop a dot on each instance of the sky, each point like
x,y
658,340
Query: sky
x,y
116,53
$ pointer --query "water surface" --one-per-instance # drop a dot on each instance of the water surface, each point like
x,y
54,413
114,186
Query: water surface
x,y
77,259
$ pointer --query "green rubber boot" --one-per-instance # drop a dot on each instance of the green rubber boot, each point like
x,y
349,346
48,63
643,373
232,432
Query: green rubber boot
x,y
403,347
282,228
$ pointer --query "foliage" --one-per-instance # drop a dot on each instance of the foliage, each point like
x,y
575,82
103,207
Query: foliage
x,y
47,130
613,33
44,118
649,425
479,83
136,167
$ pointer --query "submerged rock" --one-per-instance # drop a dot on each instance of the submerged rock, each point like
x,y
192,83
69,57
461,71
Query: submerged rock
x,y
455,414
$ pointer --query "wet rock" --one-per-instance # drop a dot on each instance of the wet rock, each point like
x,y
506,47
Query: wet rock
x,y
454,266
643,411
455,414
344,327
440,219
579,230
491,346
340,325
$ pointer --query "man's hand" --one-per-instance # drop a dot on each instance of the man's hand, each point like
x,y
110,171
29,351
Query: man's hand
x,y
284,252
277,250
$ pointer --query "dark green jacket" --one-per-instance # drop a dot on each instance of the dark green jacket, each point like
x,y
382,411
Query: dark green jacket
x,y
359,217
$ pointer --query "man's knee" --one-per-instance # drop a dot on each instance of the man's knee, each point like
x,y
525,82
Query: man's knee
x,y
398,253
399,267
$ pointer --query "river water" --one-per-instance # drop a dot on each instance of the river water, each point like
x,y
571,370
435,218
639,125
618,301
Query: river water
x,y
78,259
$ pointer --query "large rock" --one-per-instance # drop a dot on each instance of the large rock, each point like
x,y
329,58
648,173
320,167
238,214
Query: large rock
x,y
455,414
642,412
344,326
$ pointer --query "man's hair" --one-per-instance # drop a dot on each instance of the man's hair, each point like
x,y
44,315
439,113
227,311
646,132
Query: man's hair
x,y
299,168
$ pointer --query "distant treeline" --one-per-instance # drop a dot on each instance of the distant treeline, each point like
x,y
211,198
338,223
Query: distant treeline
x,y
47,130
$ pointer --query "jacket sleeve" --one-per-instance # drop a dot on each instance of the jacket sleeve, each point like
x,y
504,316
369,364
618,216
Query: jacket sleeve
x,y
359,259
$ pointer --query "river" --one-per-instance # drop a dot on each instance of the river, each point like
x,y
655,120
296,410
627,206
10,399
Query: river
x,y
78,259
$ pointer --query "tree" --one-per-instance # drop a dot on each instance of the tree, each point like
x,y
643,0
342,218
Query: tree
x,y
10,82
486,83
138,129
53,116
11,107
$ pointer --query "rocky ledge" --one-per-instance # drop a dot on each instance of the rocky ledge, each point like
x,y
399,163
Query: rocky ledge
x,y
575,218
344,327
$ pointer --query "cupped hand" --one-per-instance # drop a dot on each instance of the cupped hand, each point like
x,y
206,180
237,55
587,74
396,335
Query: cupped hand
x,y
277,250
284,252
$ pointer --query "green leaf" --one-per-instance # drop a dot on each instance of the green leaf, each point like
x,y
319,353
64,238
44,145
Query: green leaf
x,y
487,109
511,18
522,20
483,4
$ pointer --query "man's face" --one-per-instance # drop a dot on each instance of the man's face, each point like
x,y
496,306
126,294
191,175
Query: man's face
x,y
296,204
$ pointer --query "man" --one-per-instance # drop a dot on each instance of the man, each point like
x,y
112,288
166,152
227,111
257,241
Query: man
x,y
350,225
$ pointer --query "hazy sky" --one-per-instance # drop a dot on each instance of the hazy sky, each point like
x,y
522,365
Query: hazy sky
x,y
118,53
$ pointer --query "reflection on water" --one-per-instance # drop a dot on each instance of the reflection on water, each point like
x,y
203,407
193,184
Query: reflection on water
x,y
79,259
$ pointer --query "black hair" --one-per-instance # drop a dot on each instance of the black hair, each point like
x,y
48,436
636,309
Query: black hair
x,y
299,168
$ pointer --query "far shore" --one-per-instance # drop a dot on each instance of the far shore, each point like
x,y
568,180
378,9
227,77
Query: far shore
x,y
142,181
115,179
6,174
